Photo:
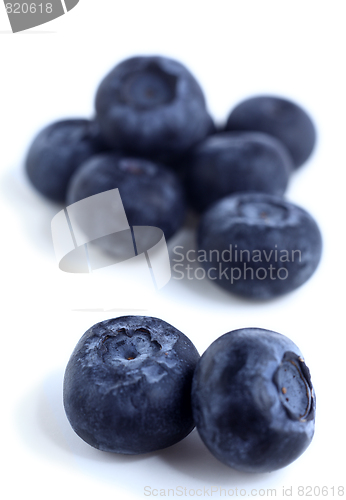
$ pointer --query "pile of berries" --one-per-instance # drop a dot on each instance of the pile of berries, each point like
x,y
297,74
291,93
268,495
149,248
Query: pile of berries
x,y
136,384
153,138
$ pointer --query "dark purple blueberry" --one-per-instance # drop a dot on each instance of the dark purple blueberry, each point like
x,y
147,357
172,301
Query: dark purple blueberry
x,y
279,117
127,385
57,151
151,193
258,245
253,401
152,106
231,162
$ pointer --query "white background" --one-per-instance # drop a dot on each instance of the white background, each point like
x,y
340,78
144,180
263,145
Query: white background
x,y
236,49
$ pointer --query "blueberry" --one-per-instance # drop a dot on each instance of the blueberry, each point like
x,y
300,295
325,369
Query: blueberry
x,y
152,194
127,385
152,106
230,162
258,245
279,117
57,151
253,401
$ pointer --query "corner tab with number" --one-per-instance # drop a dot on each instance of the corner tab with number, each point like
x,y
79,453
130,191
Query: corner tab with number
x,y
25,15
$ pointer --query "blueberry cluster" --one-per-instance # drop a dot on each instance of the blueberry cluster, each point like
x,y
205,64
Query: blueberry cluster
x,y
136,384
153,138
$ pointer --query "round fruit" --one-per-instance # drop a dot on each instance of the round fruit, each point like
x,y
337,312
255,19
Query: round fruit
x,y
253,401
151,193
152,106
282,118
232,162
127,385
56,153
258,245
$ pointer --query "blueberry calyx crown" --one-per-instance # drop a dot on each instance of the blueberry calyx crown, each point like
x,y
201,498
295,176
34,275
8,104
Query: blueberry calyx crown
x,y
148,88
293,382
127,345
261,211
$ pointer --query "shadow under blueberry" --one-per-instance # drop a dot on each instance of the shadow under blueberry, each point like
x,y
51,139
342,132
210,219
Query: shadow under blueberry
x,y
43,426
35,211
192,458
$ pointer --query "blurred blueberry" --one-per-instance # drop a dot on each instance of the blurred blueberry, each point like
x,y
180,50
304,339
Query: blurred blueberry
x,y
152,106
127,385
151,193
253,401
258,245
57,151
282,118
230,162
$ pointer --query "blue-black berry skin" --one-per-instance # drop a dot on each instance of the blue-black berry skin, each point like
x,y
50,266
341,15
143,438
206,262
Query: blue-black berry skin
x,y
253,401
282,118
258,246
56,153
127,385
151,193
152,106
232,162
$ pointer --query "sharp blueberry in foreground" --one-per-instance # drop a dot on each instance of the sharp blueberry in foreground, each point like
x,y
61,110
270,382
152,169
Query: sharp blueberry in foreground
x,y
152,194
152,105
253,401
282,118
56,153
127,385
258,245
231,162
